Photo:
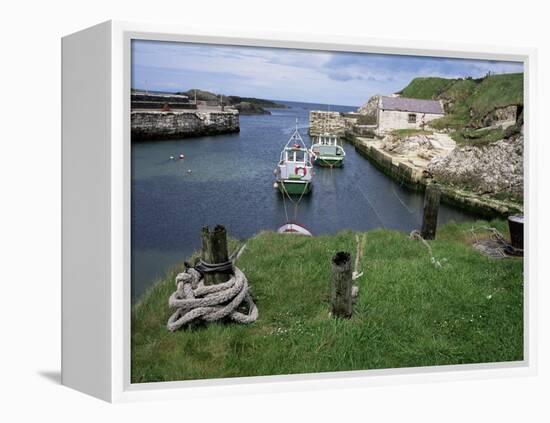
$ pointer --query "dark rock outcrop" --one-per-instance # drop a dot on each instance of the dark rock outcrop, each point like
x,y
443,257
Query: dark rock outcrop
x,y
246,108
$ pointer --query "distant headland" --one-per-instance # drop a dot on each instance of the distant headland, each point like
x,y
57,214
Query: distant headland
x,y
201,100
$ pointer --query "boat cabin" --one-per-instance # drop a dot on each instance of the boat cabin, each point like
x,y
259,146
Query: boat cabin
x,y
294,163
327,151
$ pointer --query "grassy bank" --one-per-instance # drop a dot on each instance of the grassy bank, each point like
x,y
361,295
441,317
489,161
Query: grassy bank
x,y
409,312
405,133
477,137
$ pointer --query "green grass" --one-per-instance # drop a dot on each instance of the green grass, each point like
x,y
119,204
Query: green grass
x,y
497,91
426,88
477,137
409,312
403,133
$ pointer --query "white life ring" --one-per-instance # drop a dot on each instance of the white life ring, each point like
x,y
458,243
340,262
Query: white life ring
x,y
301,171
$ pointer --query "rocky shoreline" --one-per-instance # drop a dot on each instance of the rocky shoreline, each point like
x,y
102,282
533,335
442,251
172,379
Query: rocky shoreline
x,y
416,174
493,169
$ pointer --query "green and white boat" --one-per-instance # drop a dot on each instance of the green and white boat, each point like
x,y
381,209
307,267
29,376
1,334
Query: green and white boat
x,y
294,172
327,151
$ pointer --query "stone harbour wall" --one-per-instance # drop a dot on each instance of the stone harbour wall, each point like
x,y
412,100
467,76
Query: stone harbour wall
x,y
406,174
331,122
156,125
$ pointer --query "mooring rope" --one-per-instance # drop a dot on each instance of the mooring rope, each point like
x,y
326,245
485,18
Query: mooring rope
x,y
416,235
360,245
204,267
401,201
502,247
193,300
370,204
295,203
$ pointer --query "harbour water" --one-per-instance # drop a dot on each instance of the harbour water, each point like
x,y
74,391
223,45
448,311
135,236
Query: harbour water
x,y
228,179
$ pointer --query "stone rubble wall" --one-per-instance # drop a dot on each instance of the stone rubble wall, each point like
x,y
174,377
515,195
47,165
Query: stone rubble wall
x,y
154,125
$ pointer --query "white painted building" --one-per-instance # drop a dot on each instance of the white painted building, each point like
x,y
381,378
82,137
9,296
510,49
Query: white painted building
x,y
406,113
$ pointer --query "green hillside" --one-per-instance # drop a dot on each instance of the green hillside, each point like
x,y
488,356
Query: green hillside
x,y
426,88
497,91
468,101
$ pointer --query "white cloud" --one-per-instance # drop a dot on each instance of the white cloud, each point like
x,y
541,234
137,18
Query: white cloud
x,y
287,74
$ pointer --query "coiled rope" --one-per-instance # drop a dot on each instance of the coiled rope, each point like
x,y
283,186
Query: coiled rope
x,y
193,300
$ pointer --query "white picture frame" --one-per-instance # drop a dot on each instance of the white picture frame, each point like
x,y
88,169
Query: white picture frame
x,y
96,213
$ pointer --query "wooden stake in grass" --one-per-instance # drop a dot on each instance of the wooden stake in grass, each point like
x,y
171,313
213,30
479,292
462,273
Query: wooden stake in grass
x,y
341,285
431,208
214,251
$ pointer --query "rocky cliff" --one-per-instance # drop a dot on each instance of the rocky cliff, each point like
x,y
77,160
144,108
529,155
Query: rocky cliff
x,y
154,125
370,107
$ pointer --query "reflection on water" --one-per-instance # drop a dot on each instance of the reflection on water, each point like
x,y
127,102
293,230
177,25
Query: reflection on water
x,y
228,179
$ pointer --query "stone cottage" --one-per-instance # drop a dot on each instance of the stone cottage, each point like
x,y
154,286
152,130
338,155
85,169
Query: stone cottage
x,y
406,113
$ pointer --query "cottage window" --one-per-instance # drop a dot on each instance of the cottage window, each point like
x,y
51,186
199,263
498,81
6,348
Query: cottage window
x,y
412,117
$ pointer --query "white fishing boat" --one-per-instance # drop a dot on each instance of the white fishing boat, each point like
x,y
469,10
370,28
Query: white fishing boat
x,y
327,150
294,172
294,228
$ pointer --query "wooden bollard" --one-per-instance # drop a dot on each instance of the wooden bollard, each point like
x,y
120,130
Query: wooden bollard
x,y
214,250
515,225
431,208
341,285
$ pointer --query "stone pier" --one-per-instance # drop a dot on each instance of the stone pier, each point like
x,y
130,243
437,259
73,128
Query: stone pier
x,y
157,125
335,123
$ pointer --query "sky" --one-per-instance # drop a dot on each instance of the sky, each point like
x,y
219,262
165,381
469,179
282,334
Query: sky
x,y
288,74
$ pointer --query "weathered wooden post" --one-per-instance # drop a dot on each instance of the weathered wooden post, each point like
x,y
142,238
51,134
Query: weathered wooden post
x,y
341,285
432,197
214,251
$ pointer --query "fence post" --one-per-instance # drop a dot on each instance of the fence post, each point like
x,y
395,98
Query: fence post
x,y
432,197
341,304
214,250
